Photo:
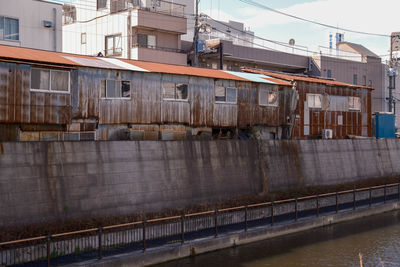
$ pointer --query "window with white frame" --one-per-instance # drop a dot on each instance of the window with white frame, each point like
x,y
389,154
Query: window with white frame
x,y
225,94
113,45
314,100
267,98
9,29
175,91
116,89
354,103
50,80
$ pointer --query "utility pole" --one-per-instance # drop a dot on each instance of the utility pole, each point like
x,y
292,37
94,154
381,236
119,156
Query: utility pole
x,y
196,35
394,46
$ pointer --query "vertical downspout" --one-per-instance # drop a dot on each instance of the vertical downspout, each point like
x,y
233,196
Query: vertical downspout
x,y
55,29
129,25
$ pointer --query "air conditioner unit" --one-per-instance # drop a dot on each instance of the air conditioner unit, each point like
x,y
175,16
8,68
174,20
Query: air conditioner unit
x,y
327,134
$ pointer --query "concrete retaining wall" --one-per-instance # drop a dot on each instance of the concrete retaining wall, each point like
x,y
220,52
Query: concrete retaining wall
x,y
49,181
300,163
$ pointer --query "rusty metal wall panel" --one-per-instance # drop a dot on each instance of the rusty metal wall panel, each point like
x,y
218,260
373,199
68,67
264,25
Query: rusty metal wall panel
x,y
354,122
224,115
201,93
18,104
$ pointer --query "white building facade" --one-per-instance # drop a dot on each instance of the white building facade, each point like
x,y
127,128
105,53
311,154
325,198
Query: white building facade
x,y
31,23
148,30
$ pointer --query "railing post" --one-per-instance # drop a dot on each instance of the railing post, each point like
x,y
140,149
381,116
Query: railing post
x,y
296,210
370,197
245,218
100,231
144,234
384,194
337,202
48,243
317,202
272,213
216,222
354,199
183,228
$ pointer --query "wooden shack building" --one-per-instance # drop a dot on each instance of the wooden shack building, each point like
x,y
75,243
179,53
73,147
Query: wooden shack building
x,y
327,107
50,96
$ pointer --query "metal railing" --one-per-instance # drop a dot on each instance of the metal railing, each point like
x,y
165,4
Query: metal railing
x,y
137,236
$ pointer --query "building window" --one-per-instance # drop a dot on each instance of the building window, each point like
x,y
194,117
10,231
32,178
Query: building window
x,y
156,3
116,89
355,79
175,91
314,100
50,80
83,38
225,95
101,4
69,14
329,74
9,29
267,98
364,80
113,45
354,103
147,41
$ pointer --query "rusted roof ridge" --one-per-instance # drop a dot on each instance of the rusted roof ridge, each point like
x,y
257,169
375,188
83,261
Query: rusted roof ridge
x,y
292,77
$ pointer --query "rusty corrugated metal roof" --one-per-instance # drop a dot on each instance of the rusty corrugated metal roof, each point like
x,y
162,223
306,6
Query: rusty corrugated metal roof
x,y
289,77
42,56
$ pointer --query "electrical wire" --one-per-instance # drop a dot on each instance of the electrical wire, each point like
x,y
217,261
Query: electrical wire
x,y
258,5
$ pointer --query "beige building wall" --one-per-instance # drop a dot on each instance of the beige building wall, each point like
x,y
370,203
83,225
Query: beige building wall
x,y
31,14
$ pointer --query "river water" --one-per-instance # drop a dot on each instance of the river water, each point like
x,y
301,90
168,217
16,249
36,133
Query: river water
x,y
376,239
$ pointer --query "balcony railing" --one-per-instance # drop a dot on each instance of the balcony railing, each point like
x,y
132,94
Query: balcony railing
x,y
166,49
158,6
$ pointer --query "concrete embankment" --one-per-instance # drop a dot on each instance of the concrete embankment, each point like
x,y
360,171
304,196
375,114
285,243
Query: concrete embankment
x,y
59,181
173,252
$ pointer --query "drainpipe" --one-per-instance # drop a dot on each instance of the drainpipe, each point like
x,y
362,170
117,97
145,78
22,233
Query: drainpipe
x,y
55,29
129,25
221,56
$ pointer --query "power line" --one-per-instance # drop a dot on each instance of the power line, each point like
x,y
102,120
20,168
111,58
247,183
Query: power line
x,y
253,3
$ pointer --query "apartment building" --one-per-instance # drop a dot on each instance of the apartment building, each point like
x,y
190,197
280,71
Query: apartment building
x,y
31,23
148,30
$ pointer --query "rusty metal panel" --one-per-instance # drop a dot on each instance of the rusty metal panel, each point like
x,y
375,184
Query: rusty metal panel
x,y
201,95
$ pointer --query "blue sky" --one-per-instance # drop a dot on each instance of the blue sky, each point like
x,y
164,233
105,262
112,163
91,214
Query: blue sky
x,y
360,15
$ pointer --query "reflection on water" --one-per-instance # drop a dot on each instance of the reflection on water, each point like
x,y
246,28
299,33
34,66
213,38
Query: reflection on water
x,y
376,238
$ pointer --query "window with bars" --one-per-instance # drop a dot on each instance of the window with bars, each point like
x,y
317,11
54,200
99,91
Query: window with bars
x,y
225,95
268,98
175,91
50,80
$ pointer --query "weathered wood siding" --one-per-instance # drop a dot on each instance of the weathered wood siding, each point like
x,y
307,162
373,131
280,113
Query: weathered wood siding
x,y
18,104
354,122
147,105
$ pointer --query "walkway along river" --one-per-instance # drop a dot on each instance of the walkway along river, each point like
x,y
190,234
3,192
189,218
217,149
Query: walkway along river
x,y
158,240
376,238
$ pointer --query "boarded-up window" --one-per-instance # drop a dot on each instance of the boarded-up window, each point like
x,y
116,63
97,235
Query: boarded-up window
x,y
314,100
354,103
117,89
268,98
175,91
50,80
227,95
